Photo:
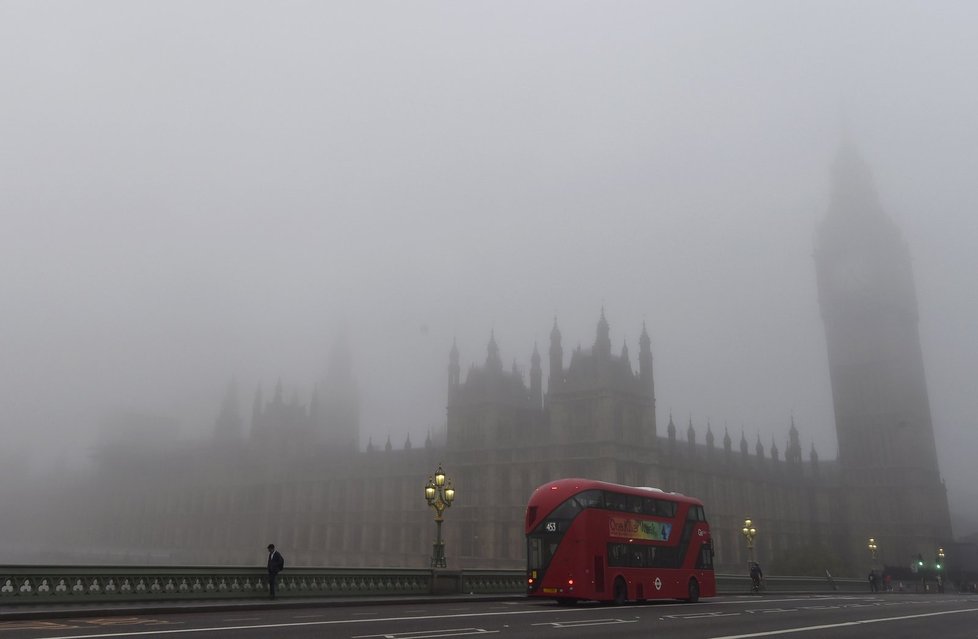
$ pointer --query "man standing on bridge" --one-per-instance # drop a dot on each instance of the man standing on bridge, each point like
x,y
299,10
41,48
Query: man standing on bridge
x,y
276,562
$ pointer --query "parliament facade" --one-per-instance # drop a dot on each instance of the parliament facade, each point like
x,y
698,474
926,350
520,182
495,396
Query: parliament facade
x,y
295,474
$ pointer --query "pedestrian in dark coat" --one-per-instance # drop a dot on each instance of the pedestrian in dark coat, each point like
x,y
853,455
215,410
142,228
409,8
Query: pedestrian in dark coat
x,y
276,562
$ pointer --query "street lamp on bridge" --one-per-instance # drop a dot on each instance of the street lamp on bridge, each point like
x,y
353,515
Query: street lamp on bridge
x,y
872,548
749,532
439,494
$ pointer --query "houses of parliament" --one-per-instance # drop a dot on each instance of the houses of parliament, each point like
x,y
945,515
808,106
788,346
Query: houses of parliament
x,y
294,472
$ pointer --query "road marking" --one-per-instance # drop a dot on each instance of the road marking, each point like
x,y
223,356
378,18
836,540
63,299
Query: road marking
x,y
768,611
785,631
35,625
297,624
535,611
431,634
702,615
586,622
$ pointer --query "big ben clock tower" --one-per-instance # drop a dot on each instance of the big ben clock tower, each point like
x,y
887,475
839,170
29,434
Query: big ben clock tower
x,y
891,479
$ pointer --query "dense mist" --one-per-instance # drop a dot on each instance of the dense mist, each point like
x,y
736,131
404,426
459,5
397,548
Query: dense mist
x,y
193,193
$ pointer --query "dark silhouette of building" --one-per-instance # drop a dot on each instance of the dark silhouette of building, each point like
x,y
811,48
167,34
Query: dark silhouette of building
x,y
887,452
300,478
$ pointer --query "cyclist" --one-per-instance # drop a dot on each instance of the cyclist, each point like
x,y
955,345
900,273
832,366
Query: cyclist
x,y
756,576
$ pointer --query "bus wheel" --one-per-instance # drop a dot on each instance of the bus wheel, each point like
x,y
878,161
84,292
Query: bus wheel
x,y
694,591
621,591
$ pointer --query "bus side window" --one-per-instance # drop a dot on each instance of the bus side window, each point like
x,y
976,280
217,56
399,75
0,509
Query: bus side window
x,y
615,501
617,554
637,557
696,514
634,504
590,499
665,508
649,506
705,560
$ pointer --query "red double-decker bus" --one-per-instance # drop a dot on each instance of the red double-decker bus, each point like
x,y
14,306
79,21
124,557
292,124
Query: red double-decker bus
x,y
589,539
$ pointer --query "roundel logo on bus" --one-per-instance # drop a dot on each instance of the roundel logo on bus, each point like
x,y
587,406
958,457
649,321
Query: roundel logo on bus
x,y
658,583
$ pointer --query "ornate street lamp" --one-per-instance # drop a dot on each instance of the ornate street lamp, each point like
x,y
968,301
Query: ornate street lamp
x,y
439,494
940,559
872,547
749,532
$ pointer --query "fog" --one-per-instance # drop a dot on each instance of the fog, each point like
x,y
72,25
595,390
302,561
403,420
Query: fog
x,y
192,193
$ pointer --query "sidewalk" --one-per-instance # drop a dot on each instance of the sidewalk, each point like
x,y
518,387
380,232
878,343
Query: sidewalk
x,y
106,609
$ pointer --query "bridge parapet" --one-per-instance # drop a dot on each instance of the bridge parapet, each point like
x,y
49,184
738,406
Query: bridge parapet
x,y
29,584
25,585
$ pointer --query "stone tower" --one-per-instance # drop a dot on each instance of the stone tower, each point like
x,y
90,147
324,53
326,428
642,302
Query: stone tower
x,y
882,414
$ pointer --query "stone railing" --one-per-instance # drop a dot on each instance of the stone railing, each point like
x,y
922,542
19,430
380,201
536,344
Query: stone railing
x,y
84,584
34,584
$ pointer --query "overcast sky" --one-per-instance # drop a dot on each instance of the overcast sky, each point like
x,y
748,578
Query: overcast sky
x,y
195,191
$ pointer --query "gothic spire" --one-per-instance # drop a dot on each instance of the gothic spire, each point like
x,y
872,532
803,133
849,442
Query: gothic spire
x,y
493,360
556,360
645,362
454,371
602,342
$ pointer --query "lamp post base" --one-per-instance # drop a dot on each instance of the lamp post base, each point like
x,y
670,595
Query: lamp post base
x,y
438,555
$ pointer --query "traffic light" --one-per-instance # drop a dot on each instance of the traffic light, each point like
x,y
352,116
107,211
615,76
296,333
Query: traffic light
x,y
920,560
937,562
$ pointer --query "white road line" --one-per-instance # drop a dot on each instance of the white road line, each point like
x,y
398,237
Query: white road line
x,y
431,634
296,624
374,620
785,631
585,622
702,615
